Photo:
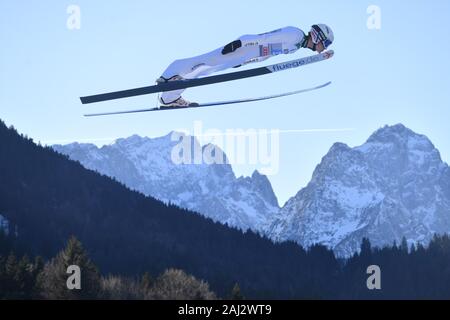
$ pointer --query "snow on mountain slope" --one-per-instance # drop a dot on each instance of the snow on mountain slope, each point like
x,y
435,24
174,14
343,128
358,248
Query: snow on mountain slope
x,y
146,165
393,186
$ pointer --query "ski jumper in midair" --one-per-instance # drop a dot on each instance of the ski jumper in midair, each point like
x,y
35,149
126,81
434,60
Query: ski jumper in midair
x,y
244,50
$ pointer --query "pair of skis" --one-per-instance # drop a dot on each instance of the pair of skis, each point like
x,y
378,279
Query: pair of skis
x,y
183,84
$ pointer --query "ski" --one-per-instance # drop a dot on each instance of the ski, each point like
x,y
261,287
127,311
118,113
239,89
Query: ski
x,y
209,104
183,84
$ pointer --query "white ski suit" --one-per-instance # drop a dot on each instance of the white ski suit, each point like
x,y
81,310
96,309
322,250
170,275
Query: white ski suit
x,y
255,48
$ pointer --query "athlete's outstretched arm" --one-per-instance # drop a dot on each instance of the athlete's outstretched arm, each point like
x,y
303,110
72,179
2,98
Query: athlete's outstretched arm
x,y
284,35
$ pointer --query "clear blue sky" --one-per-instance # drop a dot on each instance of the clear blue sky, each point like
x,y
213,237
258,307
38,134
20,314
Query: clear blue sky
x,y
397,74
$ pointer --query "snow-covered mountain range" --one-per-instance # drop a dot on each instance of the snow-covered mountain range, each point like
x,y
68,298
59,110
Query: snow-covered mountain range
x,y
395,185
145,165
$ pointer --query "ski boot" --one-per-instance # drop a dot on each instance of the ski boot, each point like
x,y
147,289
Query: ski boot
x,y
162,80
179,103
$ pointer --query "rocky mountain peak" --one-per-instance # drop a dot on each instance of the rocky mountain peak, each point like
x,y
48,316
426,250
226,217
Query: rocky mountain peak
x,y
207,185
393,185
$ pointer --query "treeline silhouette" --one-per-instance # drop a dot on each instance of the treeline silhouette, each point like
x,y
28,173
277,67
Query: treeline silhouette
x,y
407,273
47,198
22,278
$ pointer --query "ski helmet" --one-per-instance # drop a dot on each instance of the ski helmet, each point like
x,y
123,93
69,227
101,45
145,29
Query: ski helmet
x,y
322,33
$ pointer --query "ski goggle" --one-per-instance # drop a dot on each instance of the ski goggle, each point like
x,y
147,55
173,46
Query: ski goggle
x,y
326,43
